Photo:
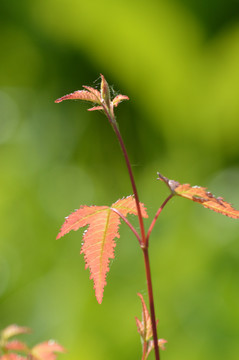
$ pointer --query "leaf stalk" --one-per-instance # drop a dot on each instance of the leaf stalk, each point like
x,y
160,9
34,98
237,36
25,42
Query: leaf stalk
x,y
128,223
156,217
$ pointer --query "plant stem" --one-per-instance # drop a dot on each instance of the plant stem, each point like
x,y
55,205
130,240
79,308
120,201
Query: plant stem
x,y
143,244
122,145
141,223
151,302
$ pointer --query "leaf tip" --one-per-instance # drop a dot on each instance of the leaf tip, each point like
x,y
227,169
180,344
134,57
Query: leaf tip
x,y
58,100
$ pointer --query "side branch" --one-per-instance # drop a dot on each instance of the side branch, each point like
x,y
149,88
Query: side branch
x,y
156,217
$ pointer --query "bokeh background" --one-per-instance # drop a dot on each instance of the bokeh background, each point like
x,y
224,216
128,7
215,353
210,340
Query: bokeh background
x,y
178,61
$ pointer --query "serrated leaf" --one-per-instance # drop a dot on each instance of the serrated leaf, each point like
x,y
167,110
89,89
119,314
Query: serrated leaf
x,y
96,108
94,91
207,199
127,206
202,196
102,98
46,350
13,330
98,241
118,99
80,95
80,218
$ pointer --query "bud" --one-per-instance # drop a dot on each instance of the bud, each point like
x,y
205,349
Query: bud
x,y
105,91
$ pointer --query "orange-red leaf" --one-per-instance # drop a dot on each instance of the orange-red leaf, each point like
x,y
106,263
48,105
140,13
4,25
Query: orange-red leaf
x,y
140,327
145,330
161,343
46,350
94,91
81,95
80,218
118,99
98,240
202,196
102,98
16,345
105,91
12,356
127,206
13,330
96,108
98,247
207,199
144,327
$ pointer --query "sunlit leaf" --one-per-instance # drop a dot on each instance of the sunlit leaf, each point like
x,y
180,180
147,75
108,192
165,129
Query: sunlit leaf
x,y
119,98
12,356
102,97
145,330
80,95
13,330
98,240
16,345
105,91
202,196
161,344
145,326
96,108
46,350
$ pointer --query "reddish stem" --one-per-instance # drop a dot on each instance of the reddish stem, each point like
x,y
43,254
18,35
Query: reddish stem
x,y
151,302
122,145
156,216
144,247
141,223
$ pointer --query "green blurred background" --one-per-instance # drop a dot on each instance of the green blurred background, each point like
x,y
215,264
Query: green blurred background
x,y
178,61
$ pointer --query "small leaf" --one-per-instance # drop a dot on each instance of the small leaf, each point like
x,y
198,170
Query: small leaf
x,y
201,196
140,327
127,206
207,199
102,98
145,329
98,241
105,91
161,343
46,350
16,345
94,91
12,356
96,108
13,330
80,95
118,99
